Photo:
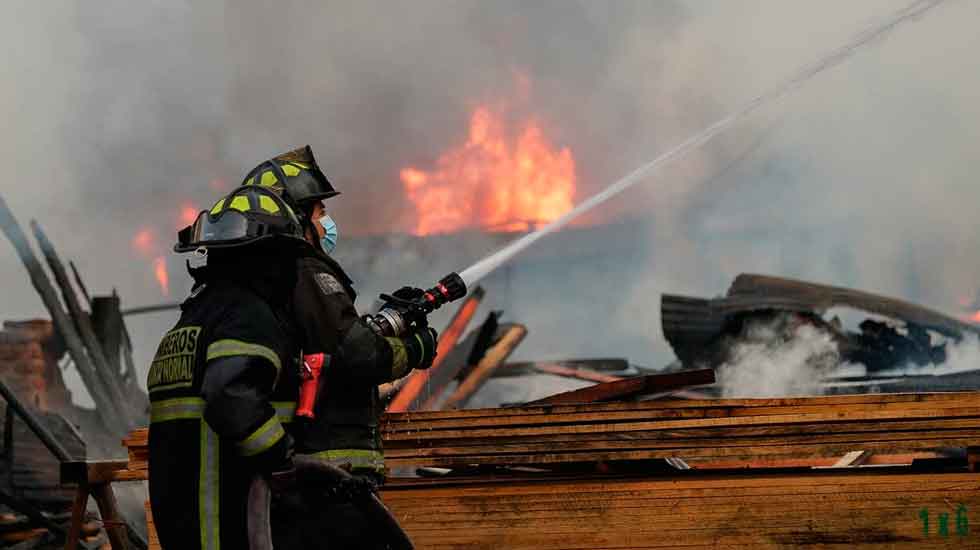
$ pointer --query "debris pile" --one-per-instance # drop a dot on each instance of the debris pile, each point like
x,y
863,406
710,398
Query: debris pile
x,y
43,429
893,335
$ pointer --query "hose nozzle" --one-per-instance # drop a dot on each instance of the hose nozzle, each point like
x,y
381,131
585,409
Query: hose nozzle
x,y
400,313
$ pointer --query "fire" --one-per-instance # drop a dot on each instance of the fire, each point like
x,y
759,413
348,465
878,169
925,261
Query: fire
x,y
160,272
146,244
144,241
494,180
974,318
188,214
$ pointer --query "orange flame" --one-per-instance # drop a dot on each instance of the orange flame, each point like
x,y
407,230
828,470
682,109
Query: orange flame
x,y
493,182
187,215
160,271
974,317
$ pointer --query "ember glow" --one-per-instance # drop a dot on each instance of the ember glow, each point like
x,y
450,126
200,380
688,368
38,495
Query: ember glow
x,y
496,180
187,215
144,241
160,272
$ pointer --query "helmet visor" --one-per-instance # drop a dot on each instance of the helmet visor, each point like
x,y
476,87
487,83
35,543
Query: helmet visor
x,y
228,226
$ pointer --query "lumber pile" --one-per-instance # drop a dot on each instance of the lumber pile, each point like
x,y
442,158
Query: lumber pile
x,y
849,501
735,431
704,433
864,509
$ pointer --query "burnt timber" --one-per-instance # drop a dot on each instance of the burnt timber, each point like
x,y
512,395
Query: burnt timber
x,y
696,327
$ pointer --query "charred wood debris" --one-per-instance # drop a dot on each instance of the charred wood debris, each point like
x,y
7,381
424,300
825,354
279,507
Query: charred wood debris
x,y
45,435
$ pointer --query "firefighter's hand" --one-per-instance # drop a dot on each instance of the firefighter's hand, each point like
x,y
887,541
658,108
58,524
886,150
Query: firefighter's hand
x,y
421,347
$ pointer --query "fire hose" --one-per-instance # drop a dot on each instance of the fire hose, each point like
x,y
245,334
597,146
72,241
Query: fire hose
x,y
312,472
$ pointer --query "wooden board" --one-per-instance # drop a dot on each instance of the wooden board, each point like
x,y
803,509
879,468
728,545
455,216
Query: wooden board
x,y
419,385
629,388
820,510
732,431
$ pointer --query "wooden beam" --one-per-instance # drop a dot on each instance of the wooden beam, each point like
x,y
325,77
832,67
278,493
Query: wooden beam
x,y
603,366
494,357
105,408
42,433
630,387
578,373
103,368
410,396
460,361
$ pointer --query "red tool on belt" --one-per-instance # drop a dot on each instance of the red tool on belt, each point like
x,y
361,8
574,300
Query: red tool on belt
x,y
312,367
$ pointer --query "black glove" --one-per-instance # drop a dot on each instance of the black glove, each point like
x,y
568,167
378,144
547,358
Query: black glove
x,y
408,293
421,347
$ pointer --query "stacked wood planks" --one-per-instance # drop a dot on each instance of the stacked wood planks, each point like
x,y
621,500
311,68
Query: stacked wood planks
x,y
729,430
864,509
733,431
756,507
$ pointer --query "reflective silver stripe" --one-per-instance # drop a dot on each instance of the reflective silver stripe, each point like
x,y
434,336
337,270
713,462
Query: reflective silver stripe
x,y
209,490
352,459
176,409
267,435
285,410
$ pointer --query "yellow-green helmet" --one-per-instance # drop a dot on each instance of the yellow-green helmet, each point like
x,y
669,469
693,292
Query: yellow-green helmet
x,y
294,175
245,216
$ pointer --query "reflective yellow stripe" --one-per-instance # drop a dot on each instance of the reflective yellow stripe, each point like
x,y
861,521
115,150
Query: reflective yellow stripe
x,y
232,348
268,204
176,409
285,410
354,459
290,170
173,386
399,357
209,488
240,203
268,179
217,207
267,435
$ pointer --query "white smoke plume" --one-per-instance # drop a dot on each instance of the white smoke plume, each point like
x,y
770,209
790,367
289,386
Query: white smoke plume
x,y
777,358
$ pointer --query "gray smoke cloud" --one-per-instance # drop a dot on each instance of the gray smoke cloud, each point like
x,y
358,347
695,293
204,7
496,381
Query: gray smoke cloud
x,y
119,113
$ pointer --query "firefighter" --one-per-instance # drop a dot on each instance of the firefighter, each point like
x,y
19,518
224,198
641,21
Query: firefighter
x,y
345,429
224,380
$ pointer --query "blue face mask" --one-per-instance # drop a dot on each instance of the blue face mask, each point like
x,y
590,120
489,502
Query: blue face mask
x,y
329,240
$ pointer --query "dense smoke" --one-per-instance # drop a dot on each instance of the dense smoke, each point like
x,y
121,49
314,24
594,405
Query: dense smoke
x,y
775,358
120,113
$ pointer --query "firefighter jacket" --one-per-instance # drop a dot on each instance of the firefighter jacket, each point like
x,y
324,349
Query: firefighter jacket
x,y
345,430
223,387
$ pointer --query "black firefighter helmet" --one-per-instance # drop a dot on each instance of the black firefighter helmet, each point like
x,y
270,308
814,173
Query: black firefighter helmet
x,y
245,216
295,175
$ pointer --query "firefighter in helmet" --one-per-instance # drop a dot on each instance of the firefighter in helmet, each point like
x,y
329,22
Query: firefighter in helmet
x,y
344,430
224,380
